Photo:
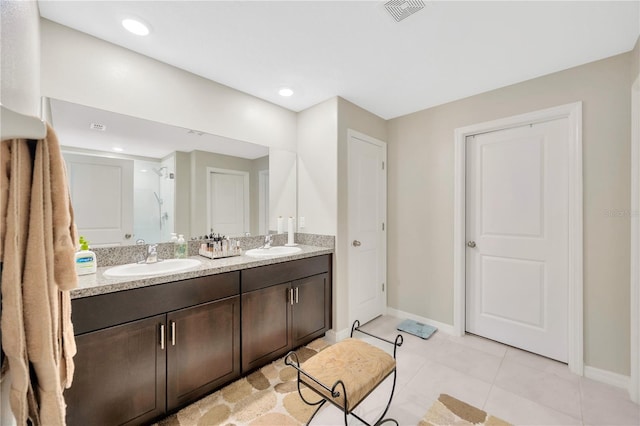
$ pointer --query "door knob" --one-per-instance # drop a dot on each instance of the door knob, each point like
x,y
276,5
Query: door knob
x,y
471,244
127,236
356,243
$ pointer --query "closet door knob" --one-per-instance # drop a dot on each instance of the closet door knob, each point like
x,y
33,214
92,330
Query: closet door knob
x,y
356,243
471,244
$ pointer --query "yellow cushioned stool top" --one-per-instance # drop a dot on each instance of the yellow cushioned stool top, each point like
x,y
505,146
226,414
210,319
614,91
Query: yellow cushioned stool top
x,y
360,365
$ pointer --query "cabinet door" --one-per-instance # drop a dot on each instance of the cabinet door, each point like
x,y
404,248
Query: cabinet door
x,y
312,308
203,349
265,325
119,375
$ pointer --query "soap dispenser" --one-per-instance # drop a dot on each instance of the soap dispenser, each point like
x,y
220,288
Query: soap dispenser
x,y
85,259
180,248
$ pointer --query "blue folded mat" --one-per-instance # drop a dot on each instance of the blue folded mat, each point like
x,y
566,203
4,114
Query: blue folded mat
x,y
417,328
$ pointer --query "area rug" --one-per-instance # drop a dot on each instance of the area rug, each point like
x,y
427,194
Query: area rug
x,y
450,411
267,396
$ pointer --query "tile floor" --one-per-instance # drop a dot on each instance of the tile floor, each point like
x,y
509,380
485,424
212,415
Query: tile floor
x,y
517,386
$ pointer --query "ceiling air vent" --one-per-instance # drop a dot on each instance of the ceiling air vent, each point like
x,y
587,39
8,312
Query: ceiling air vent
x,y
401,9
98,127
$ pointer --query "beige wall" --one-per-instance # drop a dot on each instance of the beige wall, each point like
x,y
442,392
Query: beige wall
x,y
421,198
183,191
322,177
80,68
635,61
350,116
200,160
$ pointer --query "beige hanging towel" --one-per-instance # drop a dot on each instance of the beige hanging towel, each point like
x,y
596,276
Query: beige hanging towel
x,y
37,246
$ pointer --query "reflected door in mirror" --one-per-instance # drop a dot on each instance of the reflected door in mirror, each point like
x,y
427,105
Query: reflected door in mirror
x,y
102,197
228,202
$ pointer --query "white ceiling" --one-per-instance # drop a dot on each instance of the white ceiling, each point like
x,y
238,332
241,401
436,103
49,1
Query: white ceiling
x,y
354,49
137,136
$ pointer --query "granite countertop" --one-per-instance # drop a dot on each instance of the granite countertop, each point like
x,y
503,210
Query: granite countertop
x,y
95,284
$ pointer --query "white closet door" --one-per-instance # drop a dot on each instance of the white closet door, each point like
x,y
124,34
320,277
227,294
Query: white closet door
x,y
517,233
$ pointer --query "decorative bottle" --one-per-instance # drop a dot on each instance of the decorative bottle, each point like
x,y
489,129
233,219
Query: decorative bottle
x,y
85,259
180,248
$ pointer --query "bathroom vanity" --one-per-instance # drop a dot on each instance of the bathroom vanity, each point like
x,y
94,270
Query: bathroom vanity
x,y
146,351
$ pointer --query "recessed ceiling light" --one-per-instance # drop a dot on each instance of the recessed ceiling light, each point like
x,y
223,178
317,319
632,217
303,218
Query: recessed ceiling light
x,y
135,26
285,91
118,149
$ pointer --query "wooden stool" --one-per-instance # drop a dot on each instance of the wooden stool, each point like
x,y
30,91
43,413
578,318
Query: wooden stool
x,y
353,368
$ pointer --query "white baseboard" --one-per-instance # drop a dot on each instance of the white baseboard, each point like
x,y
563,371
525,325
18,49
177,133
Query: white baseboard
x,y
445,328
597,374
335,336
607,377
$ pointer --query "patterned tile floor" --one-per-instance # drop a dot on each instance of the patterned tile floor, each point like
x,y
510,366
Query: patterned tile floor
x,y
517,386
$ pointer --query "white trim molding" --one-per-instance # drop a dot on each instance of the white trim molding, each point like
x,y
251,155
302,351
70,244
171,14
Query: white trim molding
x,y
333,336
607,377
634,287
573,112
444,328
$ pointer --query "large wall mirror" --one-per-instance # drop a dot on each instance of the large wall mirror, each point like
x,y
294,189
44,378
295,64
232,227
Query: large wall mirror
x,y
134,179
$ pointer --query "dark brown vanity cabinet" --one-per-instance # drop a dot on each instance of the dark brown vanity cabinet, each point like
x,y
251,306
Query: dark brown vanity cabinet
x,y
119,376
147,351
203,350
284,306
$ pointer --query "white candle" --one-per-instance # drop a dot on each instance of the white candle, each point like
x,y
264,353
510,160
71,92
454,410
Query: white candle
x,y
290,231
280,228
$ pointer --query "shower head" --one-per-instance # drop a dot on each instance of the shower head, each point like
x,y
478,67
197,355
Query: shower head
x,y
160,172
163,172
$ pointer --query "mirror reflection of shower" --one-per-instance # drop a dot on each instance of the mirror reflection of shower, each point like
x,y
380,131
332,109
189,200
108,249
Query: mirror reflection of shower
x,y
162,172
154,199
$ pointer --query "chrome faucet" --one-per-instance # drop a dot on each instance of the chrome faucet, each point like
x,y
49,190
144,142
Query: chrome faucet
x,y
267,241
152,254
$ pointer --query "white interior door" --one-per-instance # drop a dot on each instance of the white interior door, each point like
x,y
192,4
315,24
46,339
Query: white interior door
x,y
102,197
367,188
228,201
517,233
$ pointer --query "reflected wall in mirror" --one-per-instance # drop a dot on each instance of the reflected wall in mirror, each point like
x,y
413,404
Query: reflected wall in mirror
x,y
133,179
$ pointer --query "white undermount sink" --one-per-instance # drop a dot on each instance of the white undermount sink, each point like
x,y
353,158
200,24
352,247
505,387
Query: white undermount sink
x,y
273,251
167,266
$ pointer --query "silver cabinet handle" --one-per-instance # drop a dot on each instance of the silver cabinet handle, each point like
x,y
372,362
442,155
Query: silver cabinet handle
x,y
291,296
162,336
356,243
173,333
297,292
471,244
